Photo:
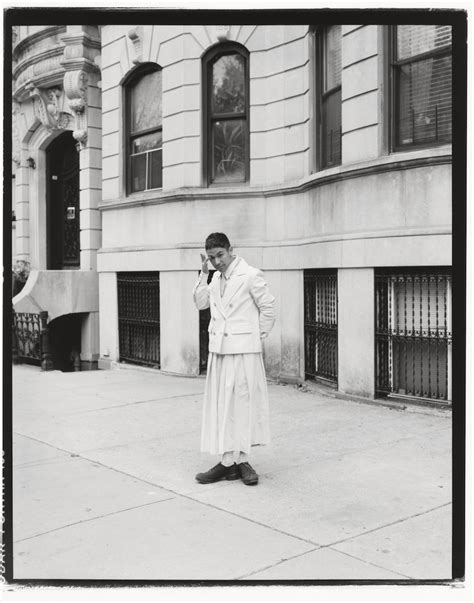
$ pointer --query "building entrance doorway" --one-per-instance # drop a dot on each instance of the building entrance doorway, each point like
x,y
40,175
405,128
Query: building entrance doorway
x,y
62,172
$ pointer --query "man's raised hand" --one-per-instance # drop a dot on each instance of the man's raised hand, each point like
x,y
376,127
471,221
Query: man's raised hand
x,y
205,266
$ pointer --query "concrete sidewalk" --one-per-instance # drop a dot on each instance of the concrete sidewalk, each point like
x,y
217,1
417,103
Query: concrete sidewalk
x,y
104,465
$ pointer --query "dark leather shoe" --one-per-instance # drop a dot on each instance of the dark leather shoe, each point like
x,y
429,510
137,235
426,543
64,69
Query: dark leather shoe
x,y
217,473
248,474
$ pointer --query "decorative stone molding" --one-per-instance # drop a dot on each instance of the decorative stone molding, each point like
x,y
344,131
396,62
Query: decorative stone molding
x,y
222,32
136,36
14,35
16,157
80,49
75,86
47,106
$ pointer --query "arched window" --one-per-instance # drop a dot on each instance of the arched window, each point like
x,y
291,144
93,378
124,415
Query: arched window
x,y
226,114
144,129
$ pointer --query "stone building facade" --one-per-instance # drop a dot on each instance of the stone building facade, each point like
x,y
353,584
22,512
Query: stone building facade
x,y
323,152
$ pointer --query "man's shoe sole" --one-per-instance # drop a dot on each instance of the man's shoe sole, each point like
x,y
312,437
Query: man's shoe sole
x,y
229,478
251,483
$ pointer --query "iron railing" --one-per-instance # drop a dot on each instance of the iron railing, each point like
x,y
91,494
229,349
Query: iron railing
x,y
320,324
30,339
413,334
139,317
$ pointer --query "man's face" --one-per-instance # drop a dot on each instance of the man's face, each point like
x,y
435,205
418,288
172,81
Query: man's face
x,y
220,257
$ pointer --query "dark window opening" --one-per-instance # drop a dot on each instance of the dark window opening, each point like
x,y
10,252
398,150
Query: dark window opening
x,y
139,317
413,334
320,325
329,96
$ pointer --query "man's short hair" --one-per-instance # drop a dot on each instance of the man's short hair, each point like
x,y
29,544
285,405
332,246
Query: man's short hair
x,y
217,239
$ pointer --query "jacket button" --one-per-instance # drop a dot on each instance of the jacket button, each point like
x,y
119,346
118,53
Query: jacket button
x,y
225,334
230,305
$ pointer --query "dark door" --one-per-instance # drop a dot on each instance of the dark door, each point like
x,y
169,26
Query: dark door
x,y
63,203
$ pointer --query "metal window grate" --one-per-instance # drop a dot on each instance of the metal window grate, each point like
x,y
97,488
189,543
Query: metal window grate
x,y
139,317
320,324
413,334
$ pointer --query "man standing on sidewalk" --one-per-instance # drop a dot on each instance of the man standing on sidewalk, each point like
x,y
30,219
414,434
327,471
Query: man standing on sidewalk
x,y
235,413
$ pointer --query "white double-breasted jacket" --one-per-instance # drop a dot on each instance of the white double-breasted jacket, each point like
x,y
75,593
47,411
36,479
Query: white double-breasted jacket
x,y
241,315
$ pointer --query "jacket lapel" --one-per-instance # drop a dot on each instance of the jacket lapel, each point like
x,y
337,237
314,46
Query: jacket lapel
x,y
235,282
216,294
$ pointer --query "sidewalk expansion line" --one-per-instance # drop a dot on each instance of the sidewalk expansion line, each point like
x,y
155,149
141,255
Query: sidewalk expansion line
x,y
349,451
176,494
189,497
388,525
245,576
83,412
89,519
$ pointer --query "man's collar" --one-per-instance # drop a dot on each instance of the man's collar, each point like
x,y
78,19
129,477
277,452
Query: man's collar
x,y
231,267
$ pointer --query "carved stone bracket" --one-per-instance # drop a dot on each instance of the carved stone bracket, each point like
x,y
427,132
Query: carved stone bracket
x,y
47,105
136,36
222,32
75,86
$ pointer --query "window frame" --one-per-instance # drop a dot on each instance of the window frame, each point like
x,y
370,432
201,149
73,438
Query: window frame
x,y
393,65
322,95
208,59
127,86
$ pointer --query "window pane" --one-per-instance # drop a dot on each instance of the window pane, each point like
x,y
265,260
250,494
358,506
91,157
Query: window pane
x,y
138,169
331,129
146,110
416,39
228,152
228,84
424,98
155,169
147,142
332,57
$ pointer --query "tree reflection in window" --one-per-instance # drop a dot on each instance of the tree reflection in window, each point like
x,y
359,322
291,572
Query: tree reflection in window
x,y
228,85
227,116
145,139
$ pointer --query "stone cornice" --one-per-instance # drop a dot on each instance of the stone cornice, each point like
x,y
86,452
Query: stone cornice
x,y
36,37
36,59
435,231
42,70
341,173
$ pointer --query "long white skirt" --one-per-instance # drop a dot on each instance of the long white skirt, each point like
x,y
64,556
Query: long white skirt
x,y
235,412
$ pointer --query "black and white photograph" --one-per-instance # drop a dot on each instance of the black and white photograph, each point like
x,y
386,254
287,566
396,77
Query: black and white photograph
x,y
235,348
